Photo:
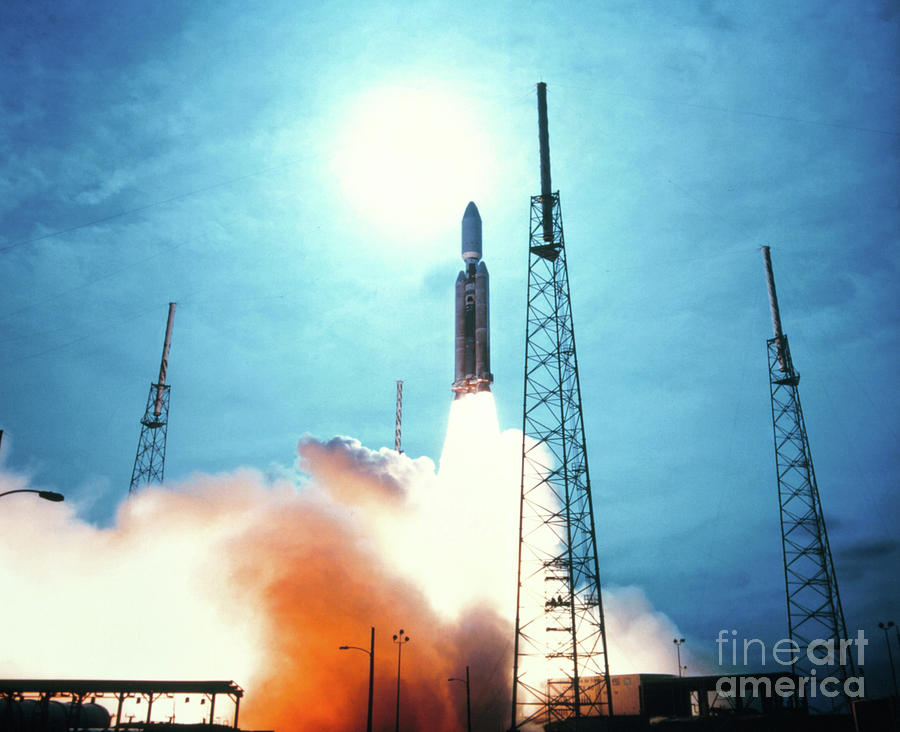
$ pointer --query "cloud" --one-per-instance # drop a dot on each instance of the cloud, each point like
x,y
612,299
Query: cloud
x,y
868,549
355,474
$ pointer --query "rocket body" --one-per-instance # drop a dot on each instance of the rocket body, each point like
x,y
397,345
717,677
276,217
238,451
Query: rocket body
x,y
473,334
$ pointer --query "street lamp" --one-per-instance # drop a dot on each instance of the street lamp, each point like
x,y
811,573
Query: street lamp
x,y
371,654
399,639
887,642
468,700
46,495
678,642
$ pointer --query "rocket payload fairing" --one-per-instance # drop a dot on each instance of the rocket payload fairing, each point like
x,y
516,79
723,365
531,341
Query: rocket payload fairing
x,y
473,330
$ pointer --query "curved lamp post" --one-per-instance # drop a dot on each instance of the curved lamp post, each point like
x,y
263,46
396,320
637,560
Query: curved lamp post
x,y
371,654
678,643
399,639
46,495
468,700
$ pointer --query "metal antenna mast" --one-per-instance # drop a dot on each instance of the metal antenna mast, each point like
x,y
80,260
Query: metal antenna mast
x,y
150,460
813,601
399,421
560,671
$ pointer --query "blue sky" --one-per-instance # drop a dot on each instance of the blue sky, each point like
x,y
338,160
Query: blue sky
x,y
294,175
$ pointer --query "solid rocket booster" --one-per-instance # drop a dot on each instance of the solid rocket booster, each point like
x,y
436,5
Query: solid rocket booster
x,y
473,330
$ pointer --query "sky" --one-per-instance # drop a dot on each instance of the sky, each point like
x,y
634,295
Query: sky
x,y
294,176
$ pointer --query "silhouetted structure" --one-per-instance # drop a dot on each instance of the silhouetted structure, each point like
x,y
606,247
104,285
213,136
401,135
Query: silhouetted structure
x,y
34,704
748,703
150,460
559,614
813,601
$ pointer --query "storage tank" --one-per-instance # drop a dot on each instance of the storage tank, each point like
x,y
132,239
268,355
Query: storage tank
x,y
10,715
87,716
32,714
27,716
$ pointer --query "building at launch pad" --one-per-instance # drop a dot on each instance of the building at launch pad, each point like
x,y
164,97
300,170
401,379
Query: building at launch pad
x,y
62,705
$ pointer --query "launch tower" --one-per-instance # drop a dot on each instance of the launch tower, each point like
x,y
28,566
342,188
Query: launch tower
x,y
813,602
560,671
150,460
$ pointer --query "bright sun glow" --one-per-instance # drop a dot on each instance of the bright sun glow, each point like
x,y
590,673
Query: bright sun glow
x,y
407,157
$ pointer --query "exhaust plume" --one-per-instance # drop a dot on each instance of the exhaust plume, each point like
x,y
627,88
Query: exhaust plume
x,y
230,576
236,576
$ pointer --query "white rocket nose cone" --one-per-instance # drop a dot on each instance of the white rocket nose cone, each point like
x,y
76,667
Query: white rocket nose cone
x,y
471,233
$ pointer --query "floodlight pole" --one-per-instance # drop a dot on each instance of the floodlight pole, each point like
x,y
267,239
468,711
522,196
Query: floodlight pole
x,y
678,643
400,638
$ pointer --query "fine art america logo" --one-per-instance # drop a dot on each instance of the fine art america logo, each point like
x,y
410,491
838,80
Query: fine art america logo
x,y
823,656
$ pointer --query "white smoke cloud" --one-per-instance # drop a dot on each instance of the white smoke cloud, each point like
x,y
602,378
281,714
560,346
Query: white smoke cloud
x,y
239,577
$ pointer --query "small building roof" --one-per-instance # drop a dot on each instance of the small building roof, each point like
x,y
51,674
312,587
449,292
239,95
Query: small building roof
x,y
117,686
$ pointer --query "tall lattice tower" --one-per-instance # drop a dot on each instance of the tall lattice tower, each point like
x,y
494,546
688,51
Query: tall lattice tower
x,y
398,421
560,671
813,601
150,460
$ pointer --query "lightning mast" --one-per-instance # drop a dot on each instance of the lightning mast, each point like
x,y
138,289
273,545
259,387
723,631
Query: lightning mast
x,y
560,671
150,460
813,601
399,421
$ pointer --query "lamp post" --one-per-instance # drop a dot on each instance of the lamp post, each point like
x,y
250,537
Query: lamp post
x,y
371,654
399,638
46,495
468,700
887,642
678,643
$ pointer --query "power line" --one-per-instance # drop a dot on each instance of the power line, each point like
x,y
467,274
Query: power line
x,y
95,280
93,332
738,112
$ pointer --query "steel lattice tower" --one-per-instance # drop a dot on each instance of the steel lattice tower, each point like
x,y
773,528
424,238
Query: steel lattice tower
x,y
560,672
398,422
150,460
813,601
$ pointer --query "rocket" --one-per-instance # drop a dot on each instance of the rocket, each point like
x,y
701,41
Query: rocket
x,y
473,331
